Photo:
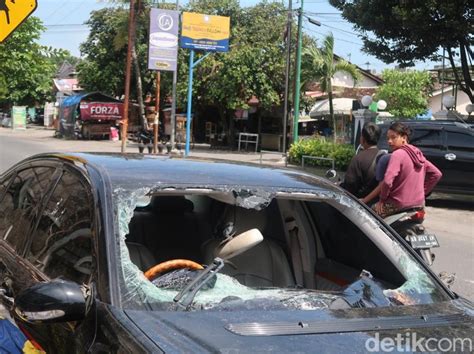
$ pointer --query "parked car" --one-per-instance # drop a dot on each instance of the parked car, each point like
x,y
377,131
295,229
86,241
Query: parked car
x,y
134,253
447,144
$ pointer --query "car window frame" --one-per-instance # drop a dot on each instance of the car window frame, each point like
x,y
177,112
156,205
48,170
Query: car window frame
x,y
429,130
457,131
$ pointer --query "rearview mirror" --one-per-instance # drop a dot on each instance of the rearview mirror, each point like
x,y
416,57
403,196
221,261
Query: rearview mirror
x,y
239,244
54,301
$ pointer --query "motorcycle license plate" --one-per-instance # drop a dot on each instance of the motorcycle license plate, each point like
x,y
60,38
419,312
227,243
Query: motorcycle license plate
x,y
423,241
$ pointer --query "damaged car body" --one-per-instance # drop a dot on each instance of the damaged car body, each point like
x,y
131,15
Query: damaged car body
x,y
147,254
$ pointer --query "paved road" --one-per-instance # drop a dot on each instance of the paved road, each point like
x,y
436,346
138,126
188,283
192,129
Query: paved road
x,y
451,220
453,223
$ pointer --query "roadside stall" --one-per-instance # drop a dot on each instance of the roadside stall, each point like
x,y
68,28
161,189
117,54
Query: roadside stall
x,y
88,115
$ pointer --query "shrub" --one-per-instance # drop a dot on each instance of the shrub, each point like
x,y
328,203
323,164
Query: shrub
x,y
341,153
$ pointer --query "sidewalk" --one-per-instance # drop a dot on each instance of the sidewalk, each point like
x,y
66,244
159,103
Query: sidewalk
x,y
45,137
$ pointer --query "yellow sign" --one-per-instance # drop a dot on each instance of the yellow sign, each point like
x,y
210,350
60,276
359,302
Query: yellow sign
x,y
205,32
12,14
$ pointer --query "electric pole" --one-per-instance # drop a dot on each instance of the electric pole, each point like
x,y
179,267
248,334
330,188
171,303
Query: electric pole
x,y
131,35
298,74
287,72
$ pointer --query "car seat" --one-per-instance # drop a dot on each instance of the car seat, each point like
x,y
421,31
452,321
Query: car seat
x,y
264,265
167,228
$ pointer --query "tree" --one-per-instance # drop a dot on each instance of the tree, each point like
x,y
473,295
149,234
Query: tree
x,y
318,65
254,65
26,70
406,92
104,66
407,31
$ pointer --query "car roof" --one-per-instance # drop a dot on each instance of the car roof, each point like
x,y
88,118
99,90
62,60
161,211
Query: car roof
x,y
141,170
432,124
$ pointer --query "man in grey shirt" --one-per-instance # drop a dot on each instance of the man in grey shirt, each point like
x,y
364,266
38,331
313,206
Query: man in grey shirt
x,y
360,176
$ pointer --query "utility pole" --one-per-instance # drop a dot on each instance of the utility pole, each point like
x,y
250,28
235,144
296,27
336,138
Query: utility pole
x,y
131,35
442,80
157,112
298,74
287,72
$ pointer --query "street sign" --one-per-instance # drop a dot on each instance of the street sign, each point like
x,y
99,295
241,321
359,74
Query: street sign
x,y
12,15
19,117
205,32
163,40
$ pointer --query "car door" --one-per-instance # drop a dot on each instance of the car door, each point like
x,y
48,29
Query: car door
x,y
430,141
58,245
458,160
23,191
61,246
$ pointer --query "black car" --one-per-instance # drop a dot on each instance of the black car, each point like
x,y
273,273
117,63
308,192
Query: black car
x,y
449,145
133,253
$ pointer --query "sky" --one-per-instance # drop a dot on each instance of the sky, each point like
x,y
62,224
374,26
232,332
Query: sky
x,y
64,22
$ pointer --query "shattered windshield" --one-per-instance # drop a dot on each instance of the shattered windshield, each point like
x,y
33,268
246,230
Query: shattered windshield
x,y
304,250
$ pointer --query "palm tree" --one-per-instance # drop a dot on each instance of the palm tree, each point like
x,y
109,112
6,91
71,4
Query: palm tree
x,y
318,65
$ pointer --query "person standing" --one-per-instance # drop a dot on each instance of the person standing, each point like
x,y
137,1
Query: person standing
x,y
360,175
409,176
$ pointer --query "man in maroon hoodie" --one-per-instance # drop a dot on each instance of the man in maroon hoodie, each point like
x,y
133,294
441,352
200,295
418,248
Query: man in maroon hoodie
x,y
409,176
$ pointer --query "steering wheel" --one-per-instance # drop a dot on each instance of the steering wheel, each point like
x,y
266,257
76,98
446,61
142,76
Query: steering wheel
x,y
172,264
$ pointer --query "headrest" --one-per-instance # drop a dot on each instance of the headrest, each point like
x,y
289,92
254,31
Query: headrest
x,y
171,204
246,219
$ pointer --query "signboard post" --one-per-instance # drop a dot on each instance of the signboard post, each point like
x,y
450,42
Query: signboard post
x,y
162,53
12,15
19,117
201,32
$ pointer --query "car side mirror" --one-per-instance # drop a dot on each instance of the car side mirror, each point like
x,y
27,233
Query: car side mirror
x,y
239,244
54,301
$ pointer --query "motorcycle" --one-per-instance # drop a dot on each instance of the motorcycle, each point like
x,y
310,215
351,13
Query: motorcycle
x,y
409,224
145,138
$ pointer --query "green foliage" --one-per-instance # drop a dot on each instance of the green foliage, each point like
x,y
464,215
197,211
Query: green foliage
x,y
318,64
410,30
406,92
342,154
58,56
104,67
26,70
254,65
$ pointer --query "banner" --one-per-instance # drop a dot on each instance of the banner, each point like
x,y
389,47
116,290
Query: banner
x,y
163,41
19,117
205,32
101,110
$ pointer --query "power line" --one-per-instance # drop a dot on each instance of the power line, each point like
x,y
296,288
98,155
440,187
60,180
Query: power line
x,y
66,25
52,32
72,11
323,13
339,39
340,30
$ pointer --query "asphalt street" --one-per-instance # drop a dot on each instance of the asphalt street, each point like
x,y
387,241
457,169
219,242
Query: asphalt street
x,y
450,219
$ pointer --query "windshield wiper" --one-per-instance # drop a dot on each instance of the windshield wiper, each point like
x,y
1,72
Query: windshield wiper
x,y
186,296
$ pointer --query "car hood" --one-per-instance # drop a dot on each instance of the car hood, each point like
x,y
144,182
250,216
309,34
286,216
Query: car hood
x,y
302,331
